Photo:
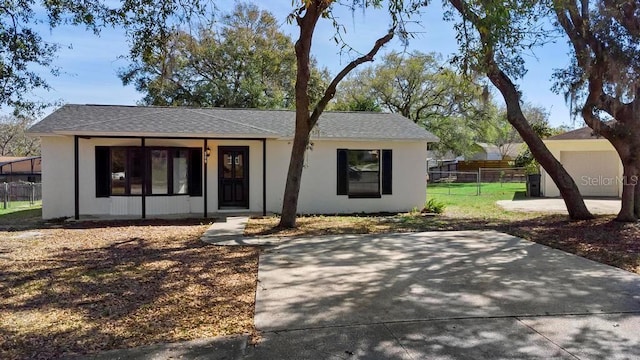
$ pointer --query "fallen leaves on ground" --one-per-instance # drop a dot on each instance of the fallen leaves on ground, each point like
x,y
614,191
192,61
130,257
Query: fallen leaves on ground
x,y
91,287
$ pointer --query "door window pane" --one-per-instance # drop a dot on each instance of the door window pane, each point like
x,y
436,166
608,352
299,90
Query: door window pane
x,y
364,172
180,172
239,166
159,172
227,166
118,171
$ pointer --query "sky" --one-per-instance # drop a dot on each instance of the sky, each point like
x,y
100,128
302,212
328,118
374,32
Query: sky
x,y
90,63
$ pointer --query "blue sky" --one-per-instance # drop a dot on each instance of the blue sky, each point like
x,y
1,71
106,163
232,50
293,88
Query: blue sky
x,y
90,66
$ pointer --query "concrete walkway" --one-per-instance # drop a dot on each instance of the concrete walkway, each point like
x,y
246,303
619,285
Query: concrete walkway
x,y
441,295
557,206
228,231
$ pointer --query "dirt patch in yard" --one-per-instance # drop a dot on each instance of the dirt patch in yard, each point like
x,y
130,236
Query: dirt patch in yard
x,y
91,287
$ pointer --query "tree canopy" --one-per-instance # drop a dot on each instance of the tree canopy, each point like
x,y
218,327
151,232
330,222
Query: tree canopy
x,y
24,53
426,89
13,139
245,61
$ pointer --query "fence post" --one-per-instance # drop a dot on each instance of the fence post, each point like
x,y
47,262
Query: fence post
x,y
33,193
5,196
479,192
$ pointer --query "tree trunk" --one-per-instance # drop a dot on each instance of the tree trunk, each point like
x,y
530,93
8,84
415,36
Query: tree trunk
x,y
636,195
627,211
567,186
294,178
307,24
304,120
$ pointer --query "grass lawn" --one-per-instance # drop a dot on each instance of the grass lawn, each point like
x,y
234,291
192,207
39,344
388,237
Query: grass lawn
x,y
478,206
602,239
19,206
89,287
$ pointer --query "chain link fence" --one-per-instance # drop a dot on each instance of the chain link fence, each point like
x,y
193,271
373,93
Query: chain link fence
x,y
19,194
485,181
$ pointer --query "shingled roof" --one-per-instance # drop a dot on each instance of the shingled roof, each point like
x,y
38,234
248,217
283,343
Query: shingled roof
x,y
583,133
113,120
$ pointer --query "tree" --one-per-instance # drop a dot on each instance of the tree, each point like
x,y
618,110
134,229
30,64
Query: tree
x,y
426,90
603,81
506,135
354,96
246,62
23,51
306,17
13,138
491,36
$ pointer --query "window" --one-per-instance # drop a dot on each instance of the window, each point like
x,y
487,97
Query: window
x,y
180,170
161,171
364,173
119,171
126,171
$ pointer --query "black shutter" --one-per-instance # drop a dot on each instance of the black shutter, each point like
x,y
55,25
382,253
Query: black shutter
x,y
387,173
103,171
195,172
343,175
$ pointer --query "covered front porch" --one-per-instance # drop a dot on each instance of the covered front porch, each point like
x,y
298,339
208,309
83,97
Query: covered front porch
x,y
126,177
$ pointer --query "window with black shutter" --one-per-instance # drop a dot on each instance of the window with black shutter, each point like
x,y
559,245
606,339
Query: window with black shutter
x,y
364,173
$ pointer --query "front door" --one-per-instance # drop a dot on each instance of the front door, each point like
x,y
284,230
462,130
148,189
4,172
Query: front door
x,y
233,174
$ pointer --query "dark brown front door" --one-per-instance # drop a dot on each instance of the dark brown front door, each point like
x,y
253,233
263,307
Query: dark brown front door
x,y
233,174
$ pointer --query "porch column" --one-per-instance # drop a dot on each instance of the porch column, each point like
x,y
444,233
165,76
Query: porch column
x,y
76,179
206,160
264,177
144,177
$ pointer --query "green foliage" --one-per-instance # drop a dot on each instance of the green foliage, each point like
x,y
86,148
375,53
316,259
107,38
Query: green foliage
x,y
604,39
13,139
510,29
24,54
244,62
423,88
434,206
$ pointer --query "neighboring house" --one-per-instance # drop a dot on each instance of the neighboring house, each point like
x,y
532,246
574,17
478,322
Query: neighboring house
x,y
14,169
484,151
510,151
591,161
153,161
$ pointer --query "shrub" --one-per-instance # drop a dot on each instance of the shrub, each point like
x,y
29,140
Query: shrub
x,y
434,206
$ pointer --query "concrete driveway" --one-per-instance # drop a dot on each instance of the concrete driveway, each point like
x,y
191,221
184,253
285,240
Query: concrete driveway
x,y
557,206
441,295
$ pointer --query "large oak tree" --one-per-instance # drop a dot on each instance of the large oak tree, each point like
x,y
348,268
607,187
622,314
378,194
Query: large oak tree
x,y
426,89
243,61
603,81
492,35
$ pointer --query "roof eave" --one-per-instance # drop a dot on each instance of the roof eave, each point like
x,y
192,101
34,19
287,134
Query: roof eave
x,y
157,135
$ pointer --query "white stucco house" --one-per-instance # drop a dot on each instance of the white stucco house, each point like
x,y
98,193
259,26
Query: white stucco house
x,y
103,160
591,161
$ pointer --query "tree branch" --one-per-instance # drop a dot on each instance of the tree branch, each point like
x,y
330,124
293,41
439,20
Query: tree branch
x,y
331,89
